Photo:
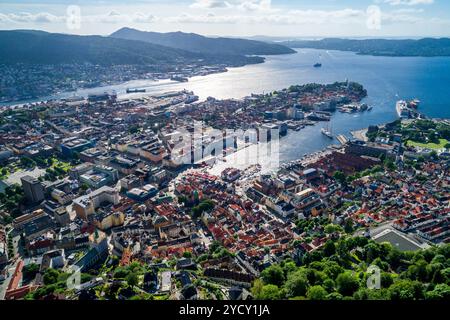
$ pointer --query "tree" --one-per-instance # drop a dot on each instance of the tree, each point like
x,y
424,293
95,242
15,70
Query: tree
x,y
390,165
347,283
288,267
406,290
214,246
334,296
329,285
348,227
205,205
273,275
332,269
257,288
27,162
50,276
340,177
269,292
132,279
329,248
317,293
30,271
394,258
418,271
121,273
371,294
386,280
440,292
296,284
332,228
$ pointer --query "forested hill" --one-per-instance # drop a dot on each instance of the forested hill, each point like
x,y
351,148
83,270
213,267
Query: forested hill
x,y
427,47
38,47
340,271
197,43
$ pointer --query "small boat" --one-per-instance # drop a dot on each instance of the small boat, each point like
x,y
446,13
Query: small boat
x,y
317,65
414,103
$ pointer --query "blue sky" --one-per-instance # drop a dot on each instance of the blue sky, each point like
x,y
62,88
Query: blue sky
x,y
286,18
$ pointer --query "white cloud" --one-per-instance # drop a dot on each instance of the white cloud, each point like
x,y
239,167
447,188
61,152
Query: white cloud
x,y
111,17
25,17
241,5
256,6
208,18
409,10
294,17
408,2
117,17
210,4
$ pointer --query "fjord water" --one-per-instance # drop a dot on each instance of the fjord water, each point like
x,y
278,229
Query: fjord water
x,y
387,79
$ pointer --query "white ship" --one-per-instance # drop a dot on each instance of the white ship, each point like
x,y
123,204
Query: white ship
x,y
327,132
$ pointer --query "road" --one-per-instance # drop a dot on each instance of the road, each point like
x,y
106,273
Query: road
x,y
4,285
376,230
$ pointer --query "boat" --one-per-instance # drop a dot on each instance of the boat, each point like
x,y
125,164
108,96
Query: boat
x,y
317,65
327,132
414,103
179,79
135,90
315,116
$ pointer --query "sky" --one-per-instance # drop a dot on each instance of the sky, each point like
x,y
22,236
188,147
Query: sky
x,y
241,18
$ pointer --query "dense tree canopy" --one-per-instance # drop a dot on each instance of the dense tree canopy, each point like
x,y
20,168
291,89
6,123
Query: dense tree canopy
x,y
340,270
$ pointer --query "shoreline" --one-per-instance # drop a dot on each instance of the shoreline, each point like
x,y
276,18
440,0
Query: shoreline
x,y
103,88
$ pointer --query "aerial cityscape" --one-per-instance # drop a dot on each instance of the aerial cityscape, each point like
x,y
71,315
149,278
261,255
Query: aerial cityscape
x,y
242,150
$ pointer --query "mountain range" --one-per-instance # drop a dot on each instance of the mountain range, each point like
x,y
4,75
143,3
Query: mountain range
x,y
39,47
197,43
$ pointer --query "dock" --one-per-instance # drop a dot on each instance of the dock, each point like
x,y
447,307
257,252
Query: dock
x,y
342,139
360,135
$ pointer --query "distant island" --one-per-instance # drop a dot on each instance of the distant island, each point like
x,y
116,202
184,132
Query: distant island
x,y
427,47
